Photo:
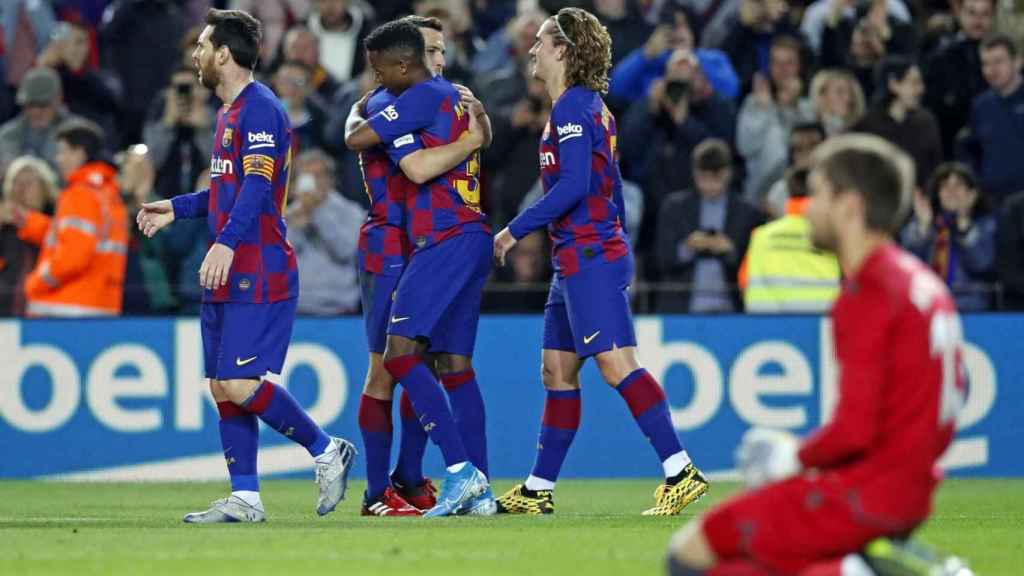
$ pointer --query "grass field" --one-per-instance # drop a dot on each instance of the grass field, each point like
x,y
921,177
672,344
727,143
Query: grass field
x,y
105,529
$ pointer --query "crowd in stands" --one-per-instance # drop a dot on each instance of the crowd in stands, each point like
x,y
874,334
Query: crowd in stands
x,y
719,104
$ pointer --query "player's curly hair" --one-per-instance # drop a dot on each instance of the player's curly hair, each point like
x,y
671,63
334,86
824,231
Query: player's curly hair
x,y
589,48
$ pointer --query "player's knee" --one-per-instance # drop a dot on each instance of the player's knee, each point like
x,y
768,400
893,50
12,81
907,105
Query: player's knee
x,y
452,363
399,346
616,364
379,382
556,379
238,391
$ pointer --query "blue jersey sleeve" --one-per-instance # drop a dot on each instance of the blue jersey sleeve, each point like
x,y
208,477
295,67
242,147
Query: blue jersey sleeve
x,y
575,133
194,205
264,140
414,110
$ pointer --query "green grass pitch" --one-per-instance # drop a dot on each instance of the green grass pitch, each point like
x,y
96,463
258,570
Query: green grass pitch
x,y
136,529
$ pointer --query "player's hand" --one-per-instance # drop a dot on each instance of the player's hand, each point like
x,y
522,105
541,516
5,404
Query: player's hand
x,y
476,132
360,105
473,104
153,216
12,213
766,455
503,242
214,272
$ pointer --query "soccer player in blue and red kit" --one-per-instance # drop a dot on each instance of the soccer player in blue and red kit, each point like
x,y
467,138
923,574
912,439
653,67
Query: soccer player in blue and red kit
x,y
828,506
437,300
587,313
249,274
383,251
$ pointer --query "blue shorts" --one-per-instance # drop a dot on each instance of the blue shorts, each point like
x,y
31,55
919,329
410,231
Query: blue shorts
x,y
438,297
378,291
243,340
588,312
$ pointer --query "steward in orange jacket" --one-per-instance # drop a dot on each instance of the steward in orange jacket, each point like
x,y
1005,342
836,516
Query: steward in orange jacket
x,y
81,266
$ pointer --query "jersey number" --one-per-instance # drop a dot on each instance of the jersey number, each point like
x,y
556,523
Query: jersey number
x,y
946,338
468,185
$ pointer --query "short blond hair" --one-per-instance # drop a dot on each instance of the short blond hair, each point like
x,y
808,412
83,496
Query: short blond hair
x,y
47,177
589,48
821,81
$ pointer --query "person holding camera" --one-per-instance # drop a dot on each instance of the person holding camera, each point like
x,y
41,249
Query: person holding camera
x,y
179,134
703,235
659,133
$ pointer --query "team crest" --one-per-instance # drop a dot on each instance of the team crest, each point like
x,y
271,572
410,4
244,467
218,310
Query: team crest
x,y
225,141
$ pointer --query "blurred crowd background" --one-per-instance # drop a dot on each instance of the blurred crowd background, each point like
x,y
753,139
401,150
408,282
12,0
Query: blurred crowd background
x,y
719,105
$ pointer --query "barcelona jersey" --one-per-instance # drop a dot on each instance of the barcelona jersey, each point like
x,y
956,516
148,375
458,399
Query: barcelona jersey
x,y
428,115
248,191
582,204
383,243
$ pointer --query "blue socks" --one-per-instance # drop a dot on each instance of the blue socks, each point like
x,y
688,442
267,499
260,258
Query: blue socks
x,y
375,426
275,406
409,468
468,410
558,427
430,404
239,437
647,402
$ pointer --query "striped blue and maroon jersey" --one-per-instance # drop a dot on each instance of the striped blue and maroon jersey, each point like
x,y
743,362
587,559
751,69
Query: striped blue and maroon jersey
x,y
383,243
582,203
428,115
245,204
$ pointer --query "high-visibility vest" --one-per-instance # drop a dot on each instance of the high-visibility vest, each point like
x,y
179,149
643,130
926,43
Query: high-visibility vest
x,y
81,265
783,272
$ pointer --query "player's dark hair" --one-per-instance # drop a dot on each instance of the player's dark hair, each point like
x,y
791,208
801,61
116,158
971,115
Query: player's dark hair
x,y
240,32
399,37
82,134
880,172
1000,41
426,22
712,155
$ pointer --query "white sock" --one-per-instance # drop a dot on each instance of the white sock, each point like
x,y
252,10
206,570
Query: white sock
x,y
456,468
675,463
249,497
327,453
534,483
854,565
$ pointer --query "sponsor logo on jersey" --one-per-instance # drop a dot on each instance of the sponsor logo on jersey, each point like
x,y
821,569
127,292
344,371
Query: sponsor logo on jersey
x,y
569,131
221,166
547,159
407,139
260,138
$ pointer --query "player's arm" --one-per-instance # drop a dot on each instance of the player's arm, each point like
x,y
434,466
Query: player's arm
x,y
153,216
194,205
77,238
862,350
425,164
575,151
414,110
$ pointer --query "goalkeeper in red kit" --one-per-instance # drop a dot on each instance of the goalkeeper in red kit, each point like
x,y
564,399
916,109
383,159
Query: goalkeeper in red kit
x,y
844,500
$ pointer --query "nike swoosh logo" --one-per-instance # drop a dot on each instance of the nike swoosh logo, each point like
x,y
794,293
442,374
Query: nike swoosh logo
x,y
396,320
240,362
589,339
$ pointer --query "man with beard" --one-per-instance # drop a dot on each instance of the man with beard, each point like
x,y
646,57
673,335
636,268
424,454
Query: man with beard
x,y
250,274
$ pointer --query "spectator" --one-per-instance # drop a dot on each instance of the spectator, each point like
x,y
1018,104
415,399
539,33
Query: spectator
x,y
146,289
510,163
660,132
88,92
632,78
893,36
139,40
782,270
341,26
26,27
293,83
803,140
837,99
824,13
865,50
899,118
753,39
504,50
184,247
303,46
625,25
996,136
774,106
954,232
350,174
324,229
702,236
460,45
953,74
28,186
34,130
1010,251
275,16
179,133
525,278
81,265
